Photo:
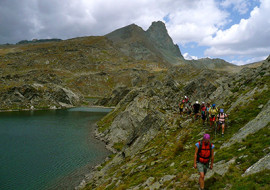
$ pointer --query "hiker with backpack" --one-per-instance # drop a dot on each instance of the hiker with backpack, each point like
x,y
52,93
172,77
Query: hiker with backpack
x,y
188,109
204,152
207,111
221,120
181,107
186,100
196,109
213,111
203,113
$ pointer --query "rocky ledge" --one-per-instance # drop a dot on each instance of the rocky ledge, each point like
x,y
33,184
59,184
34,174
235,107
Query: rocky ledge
x,y
38,96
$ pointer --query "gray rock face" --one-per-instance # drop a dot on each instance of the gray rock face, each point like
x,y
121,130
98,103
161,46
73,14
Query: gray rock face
x,y
262,164
149,181
38,95
153,44
146,131
166,178
261,121
117,95
246,97
199,88
155,186
158,33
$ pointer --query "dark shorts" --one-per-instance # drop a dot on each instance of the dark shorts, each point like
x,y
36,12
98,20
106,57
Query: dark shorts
x,y
196,111
221,122
202,167
181,110
203,116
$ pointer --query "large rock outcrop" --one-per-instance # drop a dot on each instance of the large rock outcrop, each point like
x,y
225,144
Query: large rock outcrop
x,y
262,164
39,96
261,121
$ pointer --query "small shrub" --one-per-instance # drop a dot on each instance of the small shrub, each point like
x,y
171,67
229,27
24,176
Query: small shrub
x,y
118,146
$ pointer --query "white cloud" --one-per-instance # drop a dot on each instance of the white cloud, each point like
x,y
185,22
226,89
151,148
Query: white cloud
x,y
241,6
189,24
248,38
189,57
189,20
199,21
251,60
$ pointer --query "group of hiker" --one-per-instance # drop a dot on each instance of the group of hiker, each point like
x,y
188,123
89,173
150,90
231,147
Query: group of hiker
x,y
207,112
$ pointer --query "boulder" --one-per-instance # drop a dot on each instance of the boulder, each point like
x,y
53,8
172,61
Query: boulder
x,y
261,121
262,164
117,95
220,168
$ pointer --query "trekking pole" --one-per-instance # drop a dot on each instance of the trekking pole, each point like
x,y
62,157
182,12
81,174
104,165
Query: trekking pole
x,y
227,126
215,129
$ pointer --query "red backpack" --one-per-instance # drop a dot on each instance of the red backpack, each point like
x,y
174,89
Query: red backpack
x,y
204,152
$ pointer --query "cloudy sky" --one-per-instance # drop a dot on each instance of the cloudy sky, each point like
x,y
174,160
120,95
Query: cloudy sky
x,y
235,30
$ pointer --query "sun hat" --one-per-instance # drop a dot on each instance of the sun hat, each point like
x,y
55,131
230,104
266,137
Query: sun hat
x,y
221,110
197,102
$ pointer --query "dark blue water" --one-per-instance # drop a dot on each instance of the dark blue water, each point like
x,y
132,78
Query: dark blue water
x,y
45,149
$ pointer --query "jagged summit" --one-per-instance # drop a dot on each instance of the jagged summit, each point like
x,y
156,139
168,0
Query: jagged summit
x,y
125,32
158,33
155,44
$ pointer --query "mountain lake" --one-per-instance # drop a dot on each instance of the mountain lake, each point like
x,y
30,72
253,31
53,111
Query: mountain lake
x,y
51,149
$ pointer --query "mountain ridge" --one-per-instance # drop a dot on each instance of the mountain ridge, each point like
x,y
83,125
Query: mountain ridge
x,y
93,66
154,43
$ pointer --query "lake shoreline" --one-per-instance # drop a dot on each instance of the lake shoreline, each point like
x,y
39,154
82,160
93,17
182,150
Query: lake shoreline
x,y
83,173
88,176
50,109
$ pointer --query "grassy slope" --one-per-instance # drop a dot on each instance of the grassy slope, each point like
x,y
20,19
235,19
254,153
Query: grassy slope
x,y
91,65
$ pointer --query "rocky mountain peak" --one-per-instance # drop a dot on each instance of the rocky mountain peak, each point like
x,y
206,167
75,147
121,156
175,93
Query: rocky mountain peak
x,y
126,32
158,33
158,28
154,44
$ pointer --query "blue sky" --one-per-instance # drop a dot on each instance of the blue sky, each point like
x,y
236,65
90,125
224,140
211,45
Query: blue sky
x,y
192,48
235,13
237,31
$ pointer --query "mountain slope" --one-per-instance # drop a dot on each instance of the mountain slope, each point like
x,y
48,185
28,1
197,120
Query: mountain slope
x,y
89,66
154,146
214,64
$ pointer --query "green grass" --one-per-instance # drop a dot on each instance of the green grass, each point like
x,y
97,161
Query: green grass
x,y
247,153
118,146
244,113
166,149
